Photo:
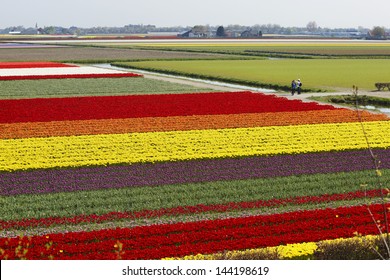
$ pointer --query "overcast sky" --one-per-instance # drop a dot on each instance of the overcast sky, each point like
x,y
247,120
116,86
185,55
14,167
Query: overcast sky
x,y
162,13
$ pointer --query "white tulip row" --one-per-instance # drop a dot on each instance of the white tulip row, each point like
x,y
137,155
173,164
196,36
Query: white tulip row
x,y
57,71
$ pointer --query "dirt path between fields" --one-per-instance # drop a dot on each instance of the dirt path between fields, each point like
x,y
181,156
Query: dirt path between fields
x,y
185,81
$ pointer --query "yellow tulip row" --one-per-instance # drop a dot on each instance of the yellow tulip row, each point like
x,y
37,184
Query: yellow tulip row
x,y
72,151
286,252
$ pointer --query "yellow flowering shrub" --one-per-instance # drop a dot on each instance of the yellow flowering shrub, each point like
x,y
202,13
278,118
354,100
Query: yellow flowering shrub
x,y
291,251
297,251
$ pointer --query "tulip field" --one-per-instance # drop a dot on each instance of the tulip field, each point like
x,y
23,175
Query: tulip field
x,y
51,70
188,175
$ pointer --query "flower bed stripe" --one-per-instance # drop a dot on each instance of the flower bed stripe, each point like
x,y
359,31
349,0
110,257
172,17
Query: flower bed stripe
x,y
205,237
101,202
196,171
140,106
69,76
75,151
185,210
33,64
117,126
48,71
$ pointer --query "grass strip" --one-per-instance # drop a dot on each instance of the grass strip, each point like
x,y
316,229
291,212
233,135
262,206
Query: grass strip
x,y
88,87
350,100
293,50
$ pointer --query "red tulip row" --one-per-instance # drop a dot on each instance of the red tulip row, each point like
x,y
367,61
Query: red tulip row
x,y
138,106
69,76
185,210
204,237
33,64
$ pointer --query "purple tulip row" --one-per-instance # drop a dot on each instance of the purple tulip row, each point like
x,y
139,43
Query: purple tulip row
x,y
138,175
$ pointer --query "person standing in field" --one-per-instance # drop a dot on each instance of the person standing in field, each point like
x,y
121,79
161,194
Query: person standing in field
x,y
293,87
299,86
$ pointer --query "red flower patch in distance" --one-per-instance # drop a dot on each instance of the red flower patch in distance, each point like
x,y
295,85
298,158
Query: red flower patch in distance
x,y
69,76
33,64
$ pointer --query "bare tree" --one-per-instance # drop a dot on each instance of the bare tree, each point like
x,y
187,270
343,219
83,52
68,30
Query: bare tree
x,y
311,26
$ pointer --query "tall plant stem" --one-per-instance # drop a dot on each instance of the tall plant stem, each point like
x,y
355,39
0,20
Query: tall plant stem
x,y
376,164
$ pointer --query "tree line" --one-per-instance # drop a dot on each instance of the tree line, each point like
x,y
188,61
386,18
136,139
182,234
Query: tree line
x,y
311,27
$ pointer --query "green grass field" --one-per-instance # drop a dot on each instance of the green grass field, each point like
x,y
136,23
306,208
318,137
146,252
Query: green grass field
x,y
315,74
89,87
264,48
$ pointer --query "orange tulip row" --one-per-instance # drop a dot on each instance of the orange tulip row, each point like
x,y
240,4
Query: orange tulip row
x,y
177,123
